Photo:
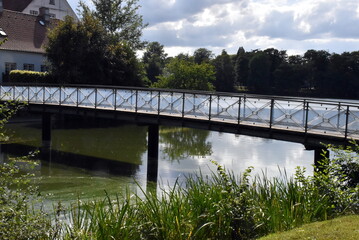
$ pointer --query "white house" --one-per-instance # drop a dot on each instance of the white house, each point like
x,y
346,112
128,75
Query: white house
x,y
26,33
58,9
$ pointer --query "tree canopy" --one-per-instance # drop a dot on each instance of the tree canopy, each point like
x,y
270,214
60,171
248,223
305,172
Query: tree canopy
x,y
82,52
154,59
182,74
121,20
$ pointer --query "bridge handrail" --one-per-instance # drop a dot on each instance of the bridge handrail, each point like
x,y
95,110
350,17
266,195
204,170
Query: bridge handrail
x,y
310,115
213,93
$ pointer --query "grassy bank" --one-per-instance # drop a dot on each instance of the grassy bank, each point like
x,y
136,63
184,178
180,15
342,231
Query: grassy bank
x,y
339,228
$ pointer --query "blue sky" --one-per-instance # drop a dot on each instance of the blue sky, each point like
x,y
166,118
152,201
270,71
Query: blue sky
x,y
292,25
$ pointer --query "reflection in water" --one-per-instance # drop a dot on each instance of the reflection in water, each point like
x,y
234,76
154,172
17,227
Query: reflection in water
x,y
179,143
93,155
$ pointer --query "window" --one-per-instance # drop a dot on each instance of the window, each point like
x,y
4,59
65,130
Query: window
x,y
33,12
9,67
52,15
44,68
52,2
2,33
29,67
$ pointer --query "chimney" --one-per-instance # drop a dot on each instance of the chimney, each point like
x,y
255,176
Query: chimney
x,y
1,7
44,13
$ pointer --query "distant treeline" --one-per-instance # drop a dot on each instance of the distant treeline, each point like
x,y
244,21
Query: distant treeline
x,y
316,73
270,71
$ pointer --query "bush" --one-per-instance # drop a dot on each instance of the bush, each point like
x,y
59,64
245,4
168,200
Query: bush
x,y
24,76
18,219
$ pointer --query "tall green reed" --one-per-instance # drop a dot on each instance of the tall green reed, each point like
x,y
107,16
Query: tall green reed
x,y
219,206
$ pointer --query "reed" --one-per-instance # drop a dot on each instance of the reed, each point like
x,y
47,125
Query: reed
x,y
220,206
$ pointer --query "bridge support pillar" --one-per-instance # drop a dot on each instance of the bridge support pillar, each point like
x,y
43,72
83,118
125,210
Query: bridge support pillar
x,y
320,153
46,136
46,129
152,152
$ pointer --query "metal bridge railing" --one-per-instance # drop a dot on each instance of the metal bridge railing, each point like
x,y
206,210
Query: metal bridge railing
x,y
325,117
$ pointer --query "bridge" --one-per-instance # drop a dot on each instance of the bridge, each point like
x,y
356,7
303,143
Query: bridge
x,y
309,121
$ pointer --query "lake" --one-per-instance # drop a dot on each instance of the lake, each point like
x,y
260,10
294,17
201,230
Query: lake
x,y
90,156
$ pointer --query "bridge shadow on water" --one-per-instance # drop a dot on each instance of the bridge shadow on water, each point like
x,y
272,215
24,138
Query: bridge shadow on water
x,y
94,164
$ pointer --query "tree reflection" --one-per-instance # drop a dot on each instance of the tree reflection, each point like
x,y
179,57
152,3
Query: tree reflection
x,y
178,143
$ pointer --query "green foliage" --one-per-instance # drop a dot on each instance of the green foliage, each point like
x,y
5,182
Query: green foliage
x,y
182,74
7,110
121,20
24,76
154,59
76,51
202,55
219,207
224,73
82,53
339,228
259,73
18,220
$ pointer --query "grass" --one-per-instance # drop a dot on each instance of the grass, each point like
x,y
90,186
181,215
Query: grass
x,y
346,227
217,207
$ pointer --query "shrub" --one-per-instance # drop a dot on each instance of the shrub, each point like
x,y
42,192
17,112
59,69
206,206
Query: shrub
x,y
24,76
18,219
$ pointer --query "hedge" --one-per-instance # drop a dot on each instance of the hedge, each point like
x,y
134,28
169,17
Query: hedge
x,y
24,76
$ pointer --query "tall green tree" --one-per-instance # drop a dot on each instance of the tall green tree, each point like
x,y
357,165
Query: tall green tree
x,y
121,20
224,73
202,55
241,67
317,63
154,59
259,73
81,52
182,74
76,51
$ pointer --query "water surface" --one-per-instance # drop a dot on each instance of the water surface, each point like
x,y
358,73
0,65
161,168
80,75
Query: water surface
x,y
91,156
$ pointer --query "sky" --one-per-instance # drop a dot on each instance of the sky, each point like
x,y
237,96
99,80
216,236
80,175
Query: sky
x,y
183,26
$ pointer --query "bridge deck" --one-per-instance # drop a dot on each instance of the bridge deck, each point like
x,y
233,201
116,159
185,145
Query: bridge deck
x,y
339,119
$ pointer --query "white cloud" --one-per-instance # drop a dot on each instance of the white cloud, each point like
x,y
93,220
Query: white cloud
x,y
293,25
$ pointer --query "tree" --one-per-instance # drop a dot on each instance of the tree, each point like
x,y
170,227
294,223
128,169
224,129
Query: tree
x,y
259,73
182,74
318,63
224,72
202,55
81,52
241,67
154,59
121,20
76,51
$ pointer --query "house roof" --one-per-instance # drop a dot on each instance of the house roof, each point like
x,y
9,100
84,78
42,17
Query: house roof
x,y
24,32
16,5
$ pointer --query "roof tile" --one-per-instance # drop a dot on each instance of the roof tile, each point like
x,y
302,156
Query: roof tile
x,y
24,32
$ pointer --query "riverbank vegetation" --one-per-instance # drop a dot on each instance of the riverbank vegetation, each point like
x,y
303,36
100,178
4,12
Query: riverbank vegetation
x,y
339,228
220,206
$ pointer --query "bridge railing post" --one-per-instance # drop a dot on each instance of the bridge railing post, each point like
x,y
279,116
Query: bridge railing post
x,y
77,97
28,94
271,113
115,99
239,110
210,107
95,98
183,103
346,123
159,103
306,109
136,101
